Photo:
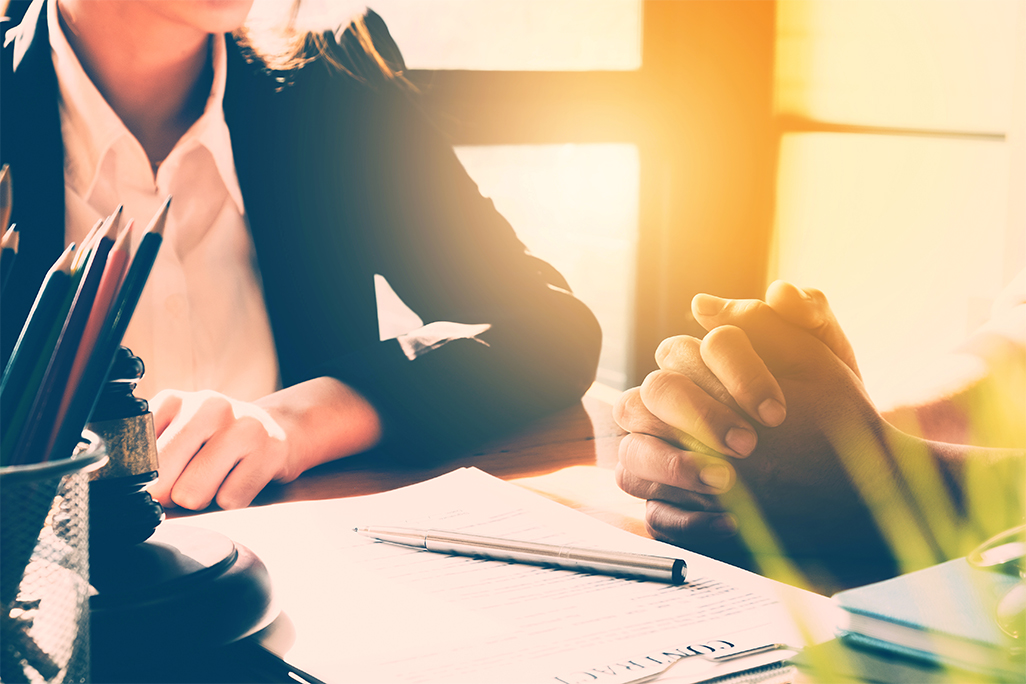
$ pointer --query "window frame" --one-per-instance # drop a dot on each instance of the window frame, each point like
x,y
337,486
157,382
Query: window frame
x,y
699,110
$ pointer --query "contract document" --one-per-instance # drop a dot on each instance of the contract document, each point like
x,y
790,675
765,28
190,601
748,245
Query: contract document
x,y
358,610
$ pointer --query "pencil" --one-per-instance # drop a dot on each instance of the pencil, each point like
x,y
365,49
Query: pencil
x,y
19,395
137,274
98,366
33,443
113,273
27,350
88,242
5,197
117,219
9,251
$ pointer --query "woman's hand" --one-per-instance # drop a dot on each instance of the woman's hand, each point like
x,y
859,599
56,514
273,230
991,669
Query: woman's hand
x,y
214,448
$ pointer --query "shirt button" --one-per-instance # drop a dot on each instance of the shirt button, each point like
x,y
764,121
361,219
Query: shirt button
x,y
176,305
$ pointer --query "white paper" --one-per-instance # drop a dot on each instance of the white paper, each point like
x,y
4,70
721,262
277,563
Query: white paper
x,y
366,611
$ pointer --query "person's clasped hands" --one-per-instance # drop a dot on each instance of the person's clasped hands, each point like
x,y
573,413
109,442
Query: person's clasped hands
x,y
772,397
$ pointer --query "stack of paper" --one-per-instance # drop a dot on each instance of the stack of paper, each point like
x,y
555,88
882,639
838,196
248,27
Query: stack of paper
x,y
366,611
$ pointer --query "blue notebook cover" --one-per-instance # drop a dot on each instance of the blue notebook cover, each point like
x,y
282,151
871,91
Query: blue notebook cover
x,y
945,613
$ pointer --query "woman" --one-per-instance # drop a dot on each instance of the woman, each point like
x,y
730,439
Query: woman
x,y
293,186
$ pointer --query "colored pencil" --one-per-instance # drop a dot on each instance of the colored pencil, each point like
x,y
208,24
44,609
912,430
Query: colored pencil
x,y
98,366
5,197
88,243
110,282
35,435
137,274
8,252
38,360
32,341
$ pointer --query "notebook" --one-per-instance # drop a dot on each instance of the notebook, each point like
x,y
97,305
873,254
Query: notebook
x,y
945,614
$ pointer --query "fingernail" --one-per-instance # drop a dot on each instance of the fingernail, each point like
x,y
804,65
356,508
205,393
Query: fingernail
x,y
724,524
740,440
708,305
716,476
772,412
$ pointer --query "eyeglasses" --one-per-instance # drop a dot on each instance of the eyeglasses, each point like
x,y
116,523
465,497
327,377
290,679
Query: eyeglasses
x,y
1006,552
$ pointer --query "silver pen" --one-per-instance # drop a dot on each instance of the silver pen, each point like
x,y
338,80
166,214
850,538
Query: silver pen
x,y
636,565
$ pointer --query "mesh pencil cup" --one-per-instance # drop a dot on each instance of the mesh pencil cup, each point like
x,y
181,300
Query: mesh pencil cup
x,y
44,567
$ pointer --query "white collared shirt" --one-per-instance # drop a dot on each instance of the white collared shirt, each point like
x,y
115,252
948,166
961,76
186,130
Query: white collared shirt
x,y
201,322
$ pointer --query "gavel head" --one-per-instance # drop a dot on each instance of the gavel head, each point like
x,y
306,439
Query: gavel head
x,y
122,512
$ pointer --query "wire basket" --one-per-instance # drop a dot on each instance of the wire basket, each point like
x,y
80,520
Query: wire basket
x,y
44,567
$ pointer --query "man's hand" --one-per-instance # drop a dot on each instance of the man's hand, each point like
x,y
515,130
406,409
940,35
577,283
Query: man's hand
x,y
783,401
214,448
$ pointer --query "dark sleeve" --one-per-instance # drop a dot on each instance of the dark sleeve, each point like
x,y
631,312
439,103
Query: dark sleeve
x,y
452,257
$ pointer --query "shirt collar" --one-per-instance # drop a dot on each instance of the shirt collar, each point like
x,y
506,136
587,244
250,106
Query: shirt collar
x,y
92,128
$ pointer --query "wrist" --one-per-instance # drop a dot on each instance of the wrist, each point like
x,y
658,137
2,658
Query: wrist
x,y
962,493
325,419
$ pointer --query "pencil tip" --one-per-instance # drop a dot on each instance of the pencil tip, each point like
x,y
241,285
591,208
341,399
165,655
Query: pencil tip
x,y
160,220
10,238
117,218
110,225
124,237
5,196
64,263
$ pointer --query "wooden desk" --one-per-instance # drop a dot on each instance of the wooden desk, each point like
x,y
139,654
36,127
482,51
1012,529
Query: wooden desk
x,y
568,456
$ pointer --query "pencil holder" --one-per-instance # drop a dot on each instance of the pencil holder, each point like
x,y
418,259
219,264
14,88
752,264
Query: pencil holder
x,y
123,512
44,567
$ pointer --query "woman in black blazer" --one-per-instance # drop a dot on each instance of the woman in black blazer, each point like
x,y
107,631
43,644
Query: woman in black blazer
x,y
343,178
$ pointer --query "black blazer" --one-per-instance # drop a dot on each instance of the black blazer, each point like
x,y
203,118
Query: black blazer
x,y
343,178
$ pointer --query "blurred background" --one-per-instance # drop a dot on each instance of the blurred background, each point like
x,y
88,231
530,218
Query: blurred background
x,y
654,149
650,150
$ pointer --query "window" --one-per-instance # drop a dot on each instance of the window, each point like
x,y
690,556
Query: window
x,y
901,169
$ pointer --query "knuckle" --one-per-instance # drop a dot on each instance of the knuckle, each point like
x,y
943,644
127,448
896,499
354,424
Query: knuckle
x,y
748,384
631,483
678,353
722,338
656,384
671,467
816,296
632,450
214,405
626,407
683,469
666,349
706,414
665,521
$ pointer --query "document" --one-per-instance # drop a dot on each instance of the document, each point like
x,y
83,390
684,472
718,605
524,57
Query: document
x,y
359,610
